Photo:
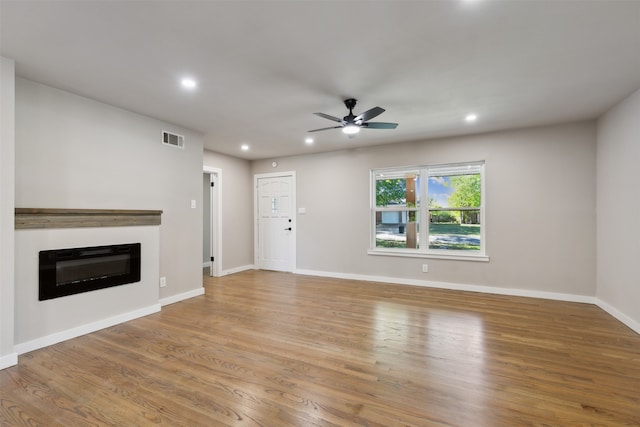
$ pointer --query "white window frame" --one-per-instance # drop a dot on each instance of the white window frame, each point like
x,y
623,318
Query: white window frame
x,y
424,173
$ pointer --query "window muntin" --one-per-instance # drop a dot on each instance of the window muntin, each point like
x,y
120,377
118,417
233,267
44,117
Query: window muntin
x,y
452,222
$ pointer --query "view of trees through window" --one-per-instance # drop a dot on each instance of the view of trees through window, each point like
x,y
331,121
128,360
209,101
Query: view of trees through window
x,y
453,210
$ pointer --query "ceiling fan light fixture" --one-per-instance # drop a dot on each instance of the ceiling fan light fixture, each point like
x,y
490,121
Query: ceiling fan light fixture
x,y
351,129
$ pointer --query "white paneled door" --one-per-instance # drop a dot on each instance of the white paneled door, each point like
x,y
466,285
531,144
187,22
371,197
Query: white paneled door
x,y
276,222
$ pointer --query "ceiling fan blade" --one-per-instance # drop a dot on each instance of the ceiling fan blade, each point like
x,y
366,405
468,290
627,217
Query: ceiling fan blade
x,y
370,114
326,116
380,125
332,127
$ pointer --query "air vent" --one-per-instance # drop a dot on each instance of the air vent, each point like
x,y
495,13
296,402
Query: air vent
x,y
172,139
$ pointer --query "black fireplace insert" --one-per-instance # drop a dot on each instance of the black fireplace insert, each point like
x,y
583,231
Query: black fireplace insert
x,y
72,271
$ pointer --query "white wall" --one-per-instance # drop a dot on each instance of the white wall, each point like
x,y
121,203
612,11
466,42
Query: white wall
x,y
540,217
74,152
237,210
618,207
8,356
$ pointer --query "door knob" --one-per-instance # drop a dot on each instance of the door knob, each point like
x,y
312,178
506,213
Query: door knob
x,y
287,229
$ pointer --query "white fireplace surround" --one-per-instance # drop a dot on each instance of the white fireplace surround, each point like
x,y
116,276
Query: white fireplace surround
x,y
42,323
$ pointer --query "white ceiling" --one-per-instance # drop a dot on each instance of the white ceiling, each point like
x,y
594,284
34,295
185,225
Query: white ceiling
x,y
263,68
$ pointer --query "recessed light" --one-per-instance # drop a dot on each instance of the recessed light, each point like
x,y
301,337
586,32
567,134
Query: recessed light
x,y
470,118
244,147
188,83
308,140
351,129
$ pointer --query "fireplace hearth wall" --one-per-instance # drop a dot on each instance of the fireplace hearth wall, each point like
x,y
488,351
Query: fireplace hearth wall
x,y
42,323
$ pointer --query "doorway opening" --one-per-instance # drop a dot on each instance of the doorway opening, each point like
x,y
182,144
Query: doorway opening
x,y
212,221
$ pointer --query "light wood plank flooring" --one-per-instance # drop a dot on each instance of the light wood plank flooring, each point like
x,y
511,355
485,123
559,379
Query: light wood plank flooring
x,y
275,349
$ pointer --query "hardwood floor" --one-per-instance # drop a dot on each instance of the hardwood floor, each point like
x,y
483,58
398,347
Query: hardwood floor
x,y
275,349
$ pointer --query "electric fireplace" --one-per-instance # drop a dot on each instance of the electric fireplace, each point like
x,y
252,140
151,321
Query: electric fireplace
x,y
72,271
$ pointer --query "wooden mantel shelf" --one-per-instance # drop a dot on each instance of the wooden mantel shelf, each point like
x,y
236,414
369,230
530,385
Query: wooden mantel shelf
x,y
30,218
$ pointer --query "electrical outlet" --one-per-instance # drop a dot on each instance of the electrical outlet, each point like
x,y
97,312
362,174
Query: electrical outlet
x,y
193,204
163,282
425,268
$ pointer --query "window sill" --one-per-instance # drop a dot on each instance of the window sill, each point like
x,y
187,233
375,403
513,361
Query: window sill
x,y
401,253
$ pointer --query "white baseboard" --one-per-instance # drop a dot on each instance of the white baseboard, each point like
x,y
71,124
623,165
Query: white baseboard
x,y
206,264
93,327
455,286
181,297
84,329
8,360
237,270
635,326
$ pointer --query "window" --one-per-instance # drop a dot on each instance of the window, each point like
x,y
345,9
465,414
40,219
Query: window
x,y
429,211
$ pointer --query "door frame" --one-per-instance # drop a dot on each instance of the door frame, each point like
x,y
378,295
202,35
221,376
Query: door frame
x,y
215,220
256,216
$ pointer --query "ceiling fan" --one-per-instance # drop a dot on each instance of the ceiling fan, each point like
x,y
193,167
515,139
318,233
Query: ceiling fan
x,y
351,124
